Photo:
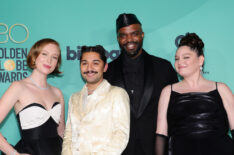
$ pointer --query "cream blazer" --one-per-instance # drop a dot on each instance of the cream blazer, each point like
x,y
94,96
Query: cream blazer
x,y
99,127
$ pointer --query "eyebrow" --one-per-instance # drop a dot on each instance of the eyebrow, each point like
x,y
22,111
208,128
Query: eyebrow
x,y
187,54
83,60
129,32
184,54
95,60
44,50
49,52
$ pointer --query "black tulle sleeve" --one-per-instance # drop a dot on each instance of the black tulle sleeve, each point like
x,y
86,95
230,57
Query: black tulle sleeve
x,y
161,144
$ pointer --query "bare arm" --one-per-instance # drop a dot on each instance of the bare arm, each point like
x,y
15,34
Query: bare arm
x,y
67,139
162,111
161,139
7,102
228,102
61,126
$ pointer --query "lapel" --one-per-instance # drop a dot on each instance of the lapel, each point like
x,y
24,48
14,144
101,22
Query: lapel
x,y
97,97
118,72
78,105
148,84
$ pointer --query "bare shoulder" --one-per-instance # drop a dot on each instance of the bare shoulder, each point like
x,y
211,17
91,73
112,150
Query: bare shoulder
x,y
17,86
14,91
226,94
57,91
164,98
165,94
167,89
223,88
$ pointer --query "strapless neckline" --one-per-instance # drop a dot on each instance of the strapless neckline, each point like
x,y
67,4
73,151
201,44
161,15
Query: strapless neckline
x,y
38,105
35,114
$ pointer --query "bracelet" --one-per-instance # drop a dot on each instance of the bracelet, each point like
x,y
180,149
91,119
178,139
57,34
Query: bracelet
x,y
13,153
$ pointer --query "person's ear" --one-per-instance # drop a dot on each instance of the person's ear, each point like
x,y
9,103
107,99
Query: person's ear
x,y
105,67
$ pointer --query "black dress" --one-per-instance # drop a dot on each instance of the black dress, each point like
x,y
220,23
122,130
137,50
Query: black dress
x,y
198,124
38,129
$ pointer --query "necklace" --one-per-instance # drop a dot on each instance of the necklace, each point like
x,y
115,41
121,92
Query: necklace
x,y
34,83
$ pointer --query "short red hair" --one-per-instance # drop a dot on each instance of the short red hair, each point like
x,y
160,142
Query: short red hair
x,y
36,49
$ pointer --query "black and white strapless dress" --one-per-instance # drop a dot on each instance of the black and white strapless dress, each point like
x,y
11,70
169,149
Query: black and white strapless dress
x,y
38,128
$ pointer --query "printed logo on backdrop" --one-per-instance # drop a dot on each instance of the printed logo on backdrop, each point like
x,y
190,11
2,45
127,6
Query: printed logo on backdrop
x,y
13,65
74,54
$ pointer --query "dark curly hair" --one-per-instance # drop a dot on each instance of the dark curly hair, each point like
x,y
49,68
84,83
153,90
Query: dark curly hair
x,y
194,42
98,49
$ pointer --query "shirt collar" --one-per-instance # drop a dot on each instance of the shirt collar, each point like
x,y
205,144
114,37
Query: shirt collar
x,y
102,88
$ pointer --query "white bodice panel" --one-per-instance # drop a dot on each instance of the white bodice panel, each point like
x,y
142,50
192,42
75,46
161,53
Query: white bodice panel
x,y
36,115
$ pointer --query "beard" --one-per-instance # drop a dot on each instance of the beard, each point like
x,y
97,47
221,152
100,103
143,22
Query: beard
x,y
132,53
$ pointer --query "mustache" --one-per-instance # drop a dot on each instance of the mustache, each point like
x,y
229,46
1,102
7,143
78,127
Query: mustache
x,y
95,72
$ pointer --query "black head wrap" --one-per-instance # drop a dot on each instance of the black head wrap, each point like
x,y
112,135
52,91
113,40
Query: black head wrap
x,y
125,19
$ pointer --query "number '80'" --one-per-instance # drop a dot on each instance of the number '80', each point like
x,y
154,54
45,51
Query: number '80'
x,y
8,34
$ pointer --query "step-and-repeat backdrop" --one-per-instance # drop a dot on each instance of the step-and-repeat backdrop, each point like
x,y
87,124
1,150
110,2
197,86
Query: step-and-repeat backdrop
x,y
74,23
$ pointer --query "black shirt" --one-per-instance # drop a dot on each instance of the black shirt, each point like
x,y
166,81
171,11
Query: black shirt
x,y
133,71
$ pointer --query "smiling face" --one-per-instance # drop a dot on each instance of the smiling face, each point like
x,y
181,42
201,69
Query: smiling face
x,y
47,59
130,40
92,68
187,62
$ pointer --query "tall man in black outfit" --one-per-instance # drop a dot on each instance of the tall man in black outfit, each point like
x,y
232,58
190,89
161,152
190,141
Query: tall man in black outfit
x,y
143,76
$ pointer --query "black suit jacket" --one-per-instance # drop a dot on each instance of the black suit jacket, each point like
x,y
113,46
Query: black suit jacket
x,y
157,74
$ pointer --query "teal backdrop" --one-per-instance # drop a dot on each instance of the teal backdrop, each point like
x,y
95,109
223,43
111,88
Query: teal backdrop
x,y
74,23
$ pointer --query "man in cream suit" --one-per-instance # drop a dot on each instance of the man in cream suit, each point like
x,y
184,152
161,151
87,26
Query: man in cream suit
x,y
99,115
